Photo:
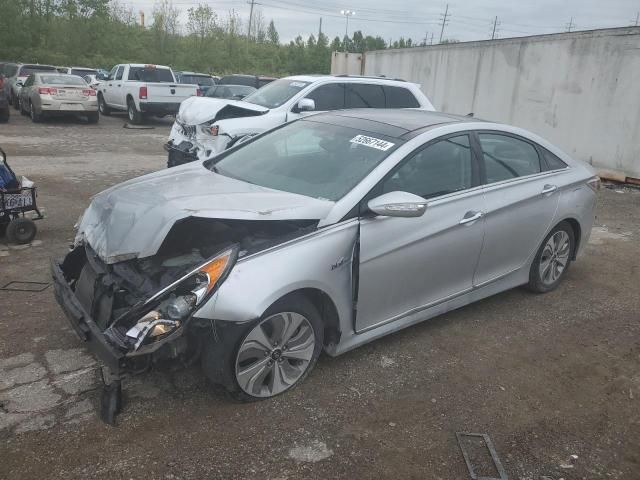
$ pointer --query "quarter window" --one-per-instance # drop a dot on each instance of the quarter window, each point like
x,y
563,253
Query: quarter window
x,y
507,157
328,97
362,95
552,161
441,168
399,97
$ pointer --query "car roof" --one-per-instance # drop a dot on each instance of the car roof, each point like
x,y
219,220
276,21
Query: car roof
x,y
194,73
349,79
392,122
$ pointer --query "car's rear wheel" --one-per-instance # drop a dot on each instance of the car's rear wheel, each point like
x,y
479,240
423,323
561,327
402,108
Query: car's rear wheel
x,y
135,116
102,106
35,116
553,259
274,354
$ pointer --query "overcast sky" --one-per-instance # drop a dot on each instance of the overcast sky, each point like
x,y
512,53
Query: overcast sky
x,y
469,20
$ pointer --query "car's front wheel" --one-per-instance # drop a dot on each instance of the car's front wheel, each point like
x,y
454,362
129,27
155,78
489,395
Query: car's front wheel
x,y
274,354
553,259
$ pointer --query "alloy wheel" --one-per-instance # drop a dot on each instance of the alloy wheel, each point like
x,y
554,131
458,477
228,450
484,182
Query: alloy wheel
x,y
275,354
555,257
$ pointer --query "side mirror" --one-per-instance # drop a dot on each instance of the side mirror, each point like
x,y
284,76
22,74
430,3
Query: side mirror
x,y
305,105
19,83
398,204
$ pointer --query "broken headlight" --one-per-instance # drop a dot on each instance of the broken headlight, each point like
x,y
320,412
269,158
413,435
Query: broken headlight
x,y
167,310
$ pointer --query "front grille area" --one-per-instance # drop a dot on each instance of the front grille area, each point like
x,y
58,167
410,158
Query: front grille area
x,y
188,130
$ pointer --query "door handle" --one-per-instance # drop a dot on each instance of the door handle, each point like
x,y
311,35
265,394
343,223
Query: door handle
x,y
471,217
111,84
549,189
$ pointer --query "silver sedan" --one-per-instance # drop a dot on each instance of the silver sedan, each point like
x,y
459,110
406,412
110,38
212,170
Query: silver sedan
x,y
47,94
323,234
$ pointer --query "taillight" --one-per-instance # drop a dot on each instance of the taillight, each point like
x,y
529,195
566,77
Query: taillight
x,y
143,93
198,92
595,184
89,92
47,91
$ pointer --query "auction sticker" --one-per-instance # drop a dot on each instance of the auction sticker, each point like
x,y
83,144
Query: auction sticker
x,y
372,142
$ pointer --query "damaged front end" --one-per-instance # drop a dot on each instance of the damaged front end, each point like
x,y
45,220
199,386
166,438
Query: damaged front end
x,y
197,134
135,313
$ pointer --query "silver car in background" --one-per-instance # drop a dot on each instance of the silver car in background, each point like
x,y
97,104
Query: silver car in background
x,y
48,94
322,234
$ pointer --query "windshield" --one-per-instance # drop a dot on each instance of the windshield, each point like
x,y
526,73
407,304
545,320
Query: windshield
x,y
151,74
197,80
307,157
276,93
62,80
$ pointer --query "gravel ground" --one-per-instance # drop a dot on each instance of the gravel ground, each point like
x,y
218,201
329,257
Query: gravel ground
x,y
546,377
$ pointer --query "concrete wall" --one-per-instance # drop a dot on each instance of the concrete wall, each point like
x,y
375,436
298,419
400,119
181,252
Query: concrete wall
x,y
346,63
579,90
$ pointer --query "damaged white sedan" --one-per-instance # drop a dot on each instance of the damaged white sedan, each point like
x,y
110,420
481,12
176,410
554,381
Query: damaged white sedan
x,y
323,234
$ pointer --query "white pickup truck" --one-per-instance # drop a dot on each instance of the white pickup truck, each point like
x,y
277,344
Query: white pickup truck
x,y
142,90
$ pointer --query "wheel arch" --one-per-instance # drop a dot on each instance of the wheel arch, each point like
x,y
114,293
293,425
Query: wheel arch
x,y
577,233
326,307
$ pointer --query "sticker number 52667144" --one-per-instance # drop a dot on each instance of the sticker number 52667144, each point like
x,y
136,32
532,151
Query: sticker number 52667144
x,y
372,142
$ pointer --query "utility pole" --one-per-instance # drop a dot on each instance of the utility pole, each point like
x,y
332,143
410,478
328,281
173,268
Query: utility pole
x,y
570,25
320,28
495,24
637,22
426,38
431,41
444,21
252,2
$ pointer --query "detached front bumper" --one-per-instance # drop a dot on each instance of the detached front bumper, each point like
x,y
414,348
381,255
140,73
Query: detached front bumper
x,y
84,325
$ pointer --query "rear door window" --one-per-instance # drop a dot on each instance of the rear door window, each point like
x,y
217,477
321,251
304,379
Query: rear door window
x,y
551,160
328,97
507,157
364,95
399,97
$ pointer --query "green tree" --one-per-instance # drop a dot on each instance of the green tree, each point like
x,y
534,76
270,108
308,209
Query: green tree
x,y
272,34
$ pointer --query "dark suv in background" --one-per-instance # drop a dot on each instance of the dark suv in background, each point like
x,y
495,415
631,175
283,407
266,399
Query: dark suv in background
x,y
248,80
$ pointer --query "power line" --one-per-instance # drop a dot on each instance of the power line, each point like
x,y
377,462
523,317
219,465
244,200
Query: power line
x,y
444,21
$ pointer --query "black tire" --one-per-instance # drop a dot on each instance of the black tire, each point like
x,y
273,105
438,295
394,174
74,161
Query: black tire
x,y
15,101
93,117
220,352
35,116
102,106
537,283
22,110
4,115
21,230
134,115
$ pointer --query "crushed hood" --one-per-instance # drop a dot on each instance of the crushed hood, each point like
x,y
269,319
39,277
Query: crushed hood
x,y
132,219
197,110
